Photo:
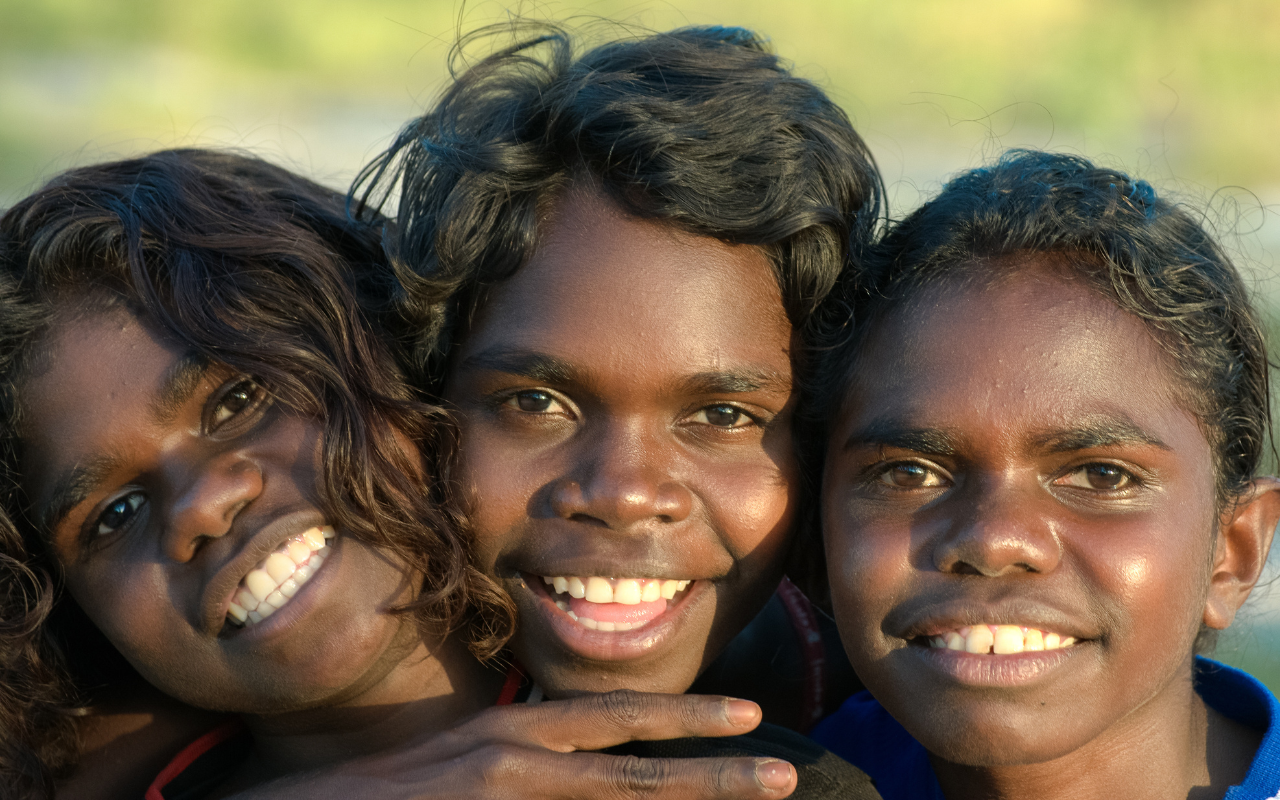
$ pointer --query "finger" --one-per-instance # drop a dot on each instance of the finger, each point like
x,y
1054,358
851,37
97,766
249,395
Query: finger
x,y
597,721
595,776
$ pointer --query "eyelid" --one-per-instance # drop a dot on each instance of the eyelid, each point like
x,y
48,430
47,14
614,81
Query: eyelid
x,y
506,398
241,420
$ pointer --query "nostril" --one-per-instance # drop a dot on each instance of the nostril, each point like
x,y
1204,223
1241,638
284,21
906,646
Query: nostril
x,y
588,520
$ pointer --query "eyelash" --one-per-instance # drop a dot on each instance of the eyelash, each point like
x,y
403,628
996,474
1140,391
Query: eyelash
x,y
879,474
238,419
511,400
132,510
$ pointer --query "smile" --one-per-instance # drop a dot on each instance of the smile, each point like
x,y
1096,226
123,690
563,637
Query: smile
x,y
269,586
999,640
613,604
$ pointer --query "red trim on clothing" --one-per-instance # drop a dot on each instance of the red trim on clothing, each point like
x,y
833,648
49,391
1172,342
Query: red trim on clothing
x,y
515,677
190,753
815,654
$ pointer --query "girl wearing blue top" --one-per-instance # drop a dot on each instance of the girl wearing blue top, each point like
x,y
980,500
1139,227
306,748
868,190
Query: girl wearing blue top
x,y
1040,500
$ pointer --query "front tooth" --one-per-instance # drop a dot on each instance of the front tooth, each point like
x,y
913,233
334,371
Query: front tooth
x,y
237,613
1034,640
1052,641
604,626
298,552
246,600
313,538
669,589
587,622
260,584
652,591
627,592
560,585
577,588
955,641
598,591
328,531
279,566
277,599
980,639
1008,640
289,588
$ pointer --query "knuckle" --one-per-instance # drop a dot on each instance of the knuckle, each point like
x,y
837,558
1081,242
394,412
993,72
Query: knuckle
x,y
638,777
622,706
496,763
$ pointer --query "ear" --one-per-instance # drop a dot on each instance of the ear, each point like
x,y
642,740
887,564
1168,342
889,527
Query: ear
x,y
1244,539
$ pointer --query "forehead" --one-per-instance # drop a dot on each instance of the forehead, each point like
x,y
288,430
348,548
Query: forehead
x,y
612,291
1037,347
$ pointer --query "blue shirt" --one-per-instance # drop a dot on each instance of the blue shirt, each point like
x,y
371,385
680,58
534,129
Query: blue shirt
x,y
863,733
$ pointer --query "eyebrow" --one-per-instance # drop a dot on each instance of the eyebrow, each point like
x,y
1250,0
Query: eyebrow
x,y
74,486
892,433
177,386
1108,431
549,369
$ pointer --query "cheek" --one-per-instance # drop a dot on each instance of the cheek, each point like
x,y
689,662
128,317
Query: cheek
x,y
131,608
501,483
869,563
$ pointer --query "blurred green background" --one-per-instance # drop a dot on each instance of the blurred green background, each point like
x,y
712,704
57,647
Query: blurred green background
x,y
1185,93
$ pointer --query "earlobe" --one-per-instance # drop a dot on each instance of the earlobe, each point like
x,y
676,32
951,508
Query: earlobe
x,y
1244,540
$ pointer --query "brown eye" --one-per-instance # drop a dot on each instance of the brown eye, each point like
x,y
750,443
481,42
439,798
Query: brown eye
x,y
119,514
909,475
235,401
533,402
723,416
1100,477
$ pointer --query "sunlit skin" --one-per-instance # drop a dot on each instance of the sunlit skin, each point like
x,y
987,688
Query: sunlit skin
x,y
1018,453
193,476
626,407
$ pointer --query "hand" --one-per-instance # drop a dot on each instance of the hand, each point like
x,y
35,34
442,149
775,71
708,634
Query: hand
x,y
527,752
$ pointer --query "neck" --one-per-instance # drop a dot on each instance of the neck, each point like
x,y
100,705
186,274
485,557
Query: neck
x,y
433,687
1174,746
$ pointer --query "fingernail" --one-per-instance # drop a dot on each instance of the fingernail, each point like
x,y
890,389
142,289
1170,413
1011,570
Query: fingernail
x,y
741,712
773,774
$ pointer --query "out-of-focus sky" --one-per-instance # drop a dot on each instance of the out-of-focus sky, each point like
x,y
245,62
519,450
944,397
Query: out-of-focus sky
x,y
1185,93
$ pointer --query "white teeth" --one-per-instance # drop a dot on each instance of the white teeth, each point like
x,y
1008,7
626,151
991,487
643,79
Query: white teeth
x,y
562,605
546,580
576,588
627,592
279,566
561,585
271,584
669,589
260,584
572,615
599,591
601,625
999,640
652,591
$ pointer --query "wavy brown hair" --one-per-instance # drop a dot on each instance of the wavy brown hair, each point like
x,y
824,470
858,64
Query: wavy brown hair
x,y
252,267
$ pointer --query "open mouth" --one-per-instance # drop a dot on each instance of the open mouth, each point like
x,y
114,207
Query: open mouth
x,y
996,640
613,604
269,586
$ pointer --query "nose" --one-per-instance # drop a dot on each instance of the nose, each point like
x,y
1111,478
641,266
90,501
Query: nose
x,y
623,477
212,493
1001,533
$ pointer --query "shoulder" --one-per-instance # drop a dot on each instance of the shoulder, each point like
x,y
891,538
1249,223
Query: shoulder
x,y
1240,697
822,774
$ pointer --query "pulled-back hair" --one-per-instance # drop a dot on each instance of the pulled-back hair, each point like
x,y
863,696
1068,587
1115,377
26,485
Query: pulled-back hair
x,y
249,266
1149,256
702,128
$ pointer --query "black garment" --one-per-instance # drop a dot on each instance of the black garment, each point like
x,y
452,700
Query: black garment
x,y
822,774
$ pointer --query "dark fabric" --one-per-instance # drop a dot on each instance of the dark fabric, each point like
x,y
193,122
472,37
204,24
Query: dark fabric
x,y
822,774
210,770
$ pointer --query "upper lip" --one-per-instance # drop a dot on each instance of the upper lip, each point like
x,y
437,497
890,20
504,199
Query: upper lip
x,y
934,619
268,538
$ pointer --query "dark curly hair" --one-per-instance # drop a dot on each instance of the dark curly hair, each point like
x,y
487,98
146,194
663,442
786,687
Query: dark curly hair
x,y
701,128
252,267
1148,255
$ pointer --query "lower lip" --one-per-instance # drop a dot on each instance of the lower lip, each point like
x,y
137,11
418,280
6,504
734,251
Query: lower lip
x,y
613,645
996,671
301,604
